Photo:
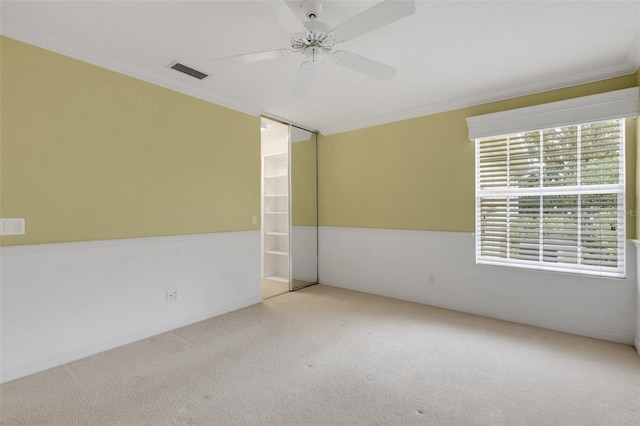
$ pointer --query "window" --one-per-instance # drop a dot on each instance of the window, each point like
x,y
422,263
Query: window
x,y
553,197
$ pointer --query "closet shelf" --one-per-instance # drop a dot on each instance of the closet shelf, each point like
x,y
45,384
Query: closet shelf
x,y
277,252
276,215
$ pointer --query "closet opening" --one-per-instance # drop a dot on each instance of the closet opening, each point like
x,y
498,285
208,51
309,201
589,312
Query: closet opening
x,y
289,231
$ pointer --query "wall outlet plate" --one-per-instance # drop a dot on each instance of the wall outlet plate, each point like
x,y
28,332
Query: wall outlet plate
x,y
12,226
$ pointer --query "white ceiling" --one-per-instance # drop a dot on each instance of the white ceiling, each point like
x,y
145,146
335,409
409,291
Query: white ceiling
x,y
449,54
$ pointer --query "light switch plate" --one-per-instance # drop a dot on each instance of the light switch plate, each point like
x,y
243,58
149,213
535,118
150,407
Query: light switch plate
x,y
12,226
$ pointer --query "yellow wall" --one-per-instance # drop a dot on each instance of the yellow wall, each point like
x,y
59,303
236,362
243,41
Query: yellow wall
x,y
419,173
637,192
90,154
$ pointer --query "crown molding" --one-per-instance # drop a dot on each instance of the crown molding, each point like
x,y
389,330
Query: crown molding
x,y
30,35
465,102
158,76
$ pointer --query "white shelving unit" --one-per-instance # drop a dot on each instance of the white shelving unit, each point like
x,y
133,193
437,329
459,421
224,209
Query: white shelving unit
x,y
276,217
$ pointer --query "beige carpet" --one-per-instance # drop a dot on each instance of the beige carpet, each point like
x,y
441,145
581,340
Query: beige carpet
x,y
326,356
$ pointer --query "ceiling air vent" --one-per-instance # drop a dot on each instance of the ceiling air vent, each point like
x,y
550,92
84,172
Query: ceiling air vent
x,y
189,71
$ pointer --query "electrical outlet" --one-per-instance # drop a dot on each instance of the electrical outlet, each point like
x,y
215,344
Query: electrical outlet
x,y
172,295
432,278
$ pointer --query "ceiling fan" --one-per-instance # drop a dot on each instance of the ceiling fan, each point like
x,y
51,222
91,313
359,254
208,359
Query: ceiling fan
x,y
314,39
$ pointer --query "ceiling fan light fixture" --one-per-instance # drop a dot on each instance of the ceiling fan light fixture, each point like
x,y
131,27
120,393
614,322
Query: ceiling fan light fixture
x,y
313,55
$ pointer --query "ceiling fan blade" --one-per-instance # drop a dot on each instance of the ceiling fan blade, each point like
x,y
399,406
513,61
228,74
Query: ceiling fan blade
x,y
283,14
383,13
364,65
304,80
253,57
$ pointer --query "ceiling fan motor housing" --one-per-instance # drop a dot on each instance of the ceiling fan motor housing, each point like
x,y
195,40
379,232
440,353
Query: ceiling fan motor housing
x,y
312,9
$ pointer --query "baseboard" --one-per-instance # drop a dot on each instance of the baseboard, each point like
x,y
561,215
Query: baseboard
x,y
74,355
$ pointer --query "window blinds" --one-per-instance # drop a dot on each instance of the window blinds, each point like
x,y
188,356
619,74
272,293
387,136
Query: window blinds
x,y
553,199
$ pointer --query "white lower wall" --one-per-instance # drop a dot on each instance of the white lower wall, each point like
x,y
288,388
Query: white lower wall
x,y
636,341
62,302
438,268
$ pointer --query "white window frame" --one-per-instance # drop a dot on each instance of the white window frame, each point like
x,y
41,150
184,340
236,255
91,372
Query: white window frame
x,y
589,109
